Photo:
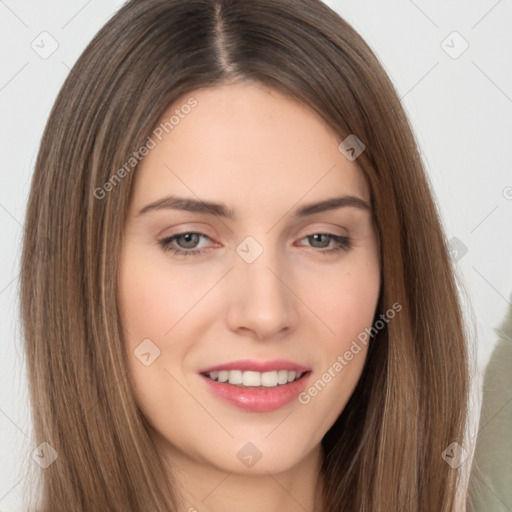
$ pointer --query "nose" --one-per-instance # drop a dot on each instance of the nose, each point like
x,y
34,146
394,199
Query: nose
x,y
261,298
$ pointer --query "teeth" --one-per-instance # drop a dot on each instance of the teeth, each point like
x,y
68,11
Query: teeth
x,y
255,379
235,377
269,379
282,376
251,379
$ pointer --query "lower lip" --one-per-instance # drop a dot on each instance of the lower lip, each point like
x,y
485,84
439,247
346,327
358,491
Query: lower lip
x,y
258,399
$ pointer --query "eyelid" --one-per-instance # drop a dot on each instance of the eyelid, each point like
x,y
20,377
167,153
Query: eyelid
x,y
322,227
183,228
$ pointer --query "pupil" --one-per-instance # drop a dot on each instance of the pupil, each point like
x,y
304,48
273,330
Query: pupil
x,y
316,237
187,237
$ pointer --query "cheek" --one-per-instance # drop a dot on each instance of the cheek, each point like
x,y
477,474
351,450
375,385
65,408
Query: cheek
x,y
152,298
346,306
150,307
345,299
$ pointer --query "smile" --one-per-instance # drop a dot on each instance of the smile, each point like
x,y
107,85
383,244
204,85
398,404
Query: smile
x,y
256,386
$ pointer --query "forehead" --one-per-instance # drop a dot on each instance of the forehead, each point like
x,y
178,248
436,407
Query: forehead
x,y
246,145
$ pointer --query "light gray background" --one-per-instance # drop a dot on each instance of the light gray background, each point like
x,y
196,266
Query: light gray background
x,y
460,109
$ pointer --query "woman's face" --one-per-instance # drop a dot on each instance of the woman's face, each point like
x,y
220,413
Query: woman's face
x,y
264,290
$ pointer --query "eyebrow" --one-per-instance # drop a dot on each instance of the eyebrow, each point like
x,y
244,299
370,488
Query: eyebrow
x,y
221,210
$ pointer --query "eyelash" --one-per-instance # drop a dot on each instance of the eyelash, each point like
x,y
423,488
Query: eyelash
x,y
343,243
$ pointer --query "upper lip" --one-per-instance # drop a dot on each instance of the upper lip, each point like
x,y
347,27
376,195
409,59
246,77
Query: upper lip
x,y
247,365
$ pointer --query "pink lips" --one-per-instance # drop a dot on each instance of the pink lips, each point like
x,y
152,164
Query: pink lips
x,y
248,365
258,399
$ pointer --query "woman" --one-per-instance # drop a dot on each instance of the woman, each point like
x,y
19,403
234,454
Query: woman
x,y
306,351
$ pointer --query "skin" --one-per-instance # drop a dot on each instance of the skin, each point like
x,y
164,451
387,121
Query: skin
x,y
264,155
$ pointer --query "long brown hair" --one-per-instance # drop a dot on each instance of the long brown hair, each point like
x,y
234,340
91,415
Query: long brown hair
x,y
384,451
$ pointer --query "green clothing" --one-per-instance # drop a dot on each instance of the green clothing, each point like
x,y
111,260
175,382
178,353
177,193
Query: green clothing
x,y
490,485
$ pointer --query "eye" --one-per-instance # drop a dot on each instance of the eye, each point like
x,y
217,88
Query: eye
x,y
190,240
341,243
186,243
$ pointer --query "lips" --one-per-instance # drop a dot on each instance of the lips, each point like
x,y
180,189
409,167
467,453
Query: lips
x,y
247,365
257,386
